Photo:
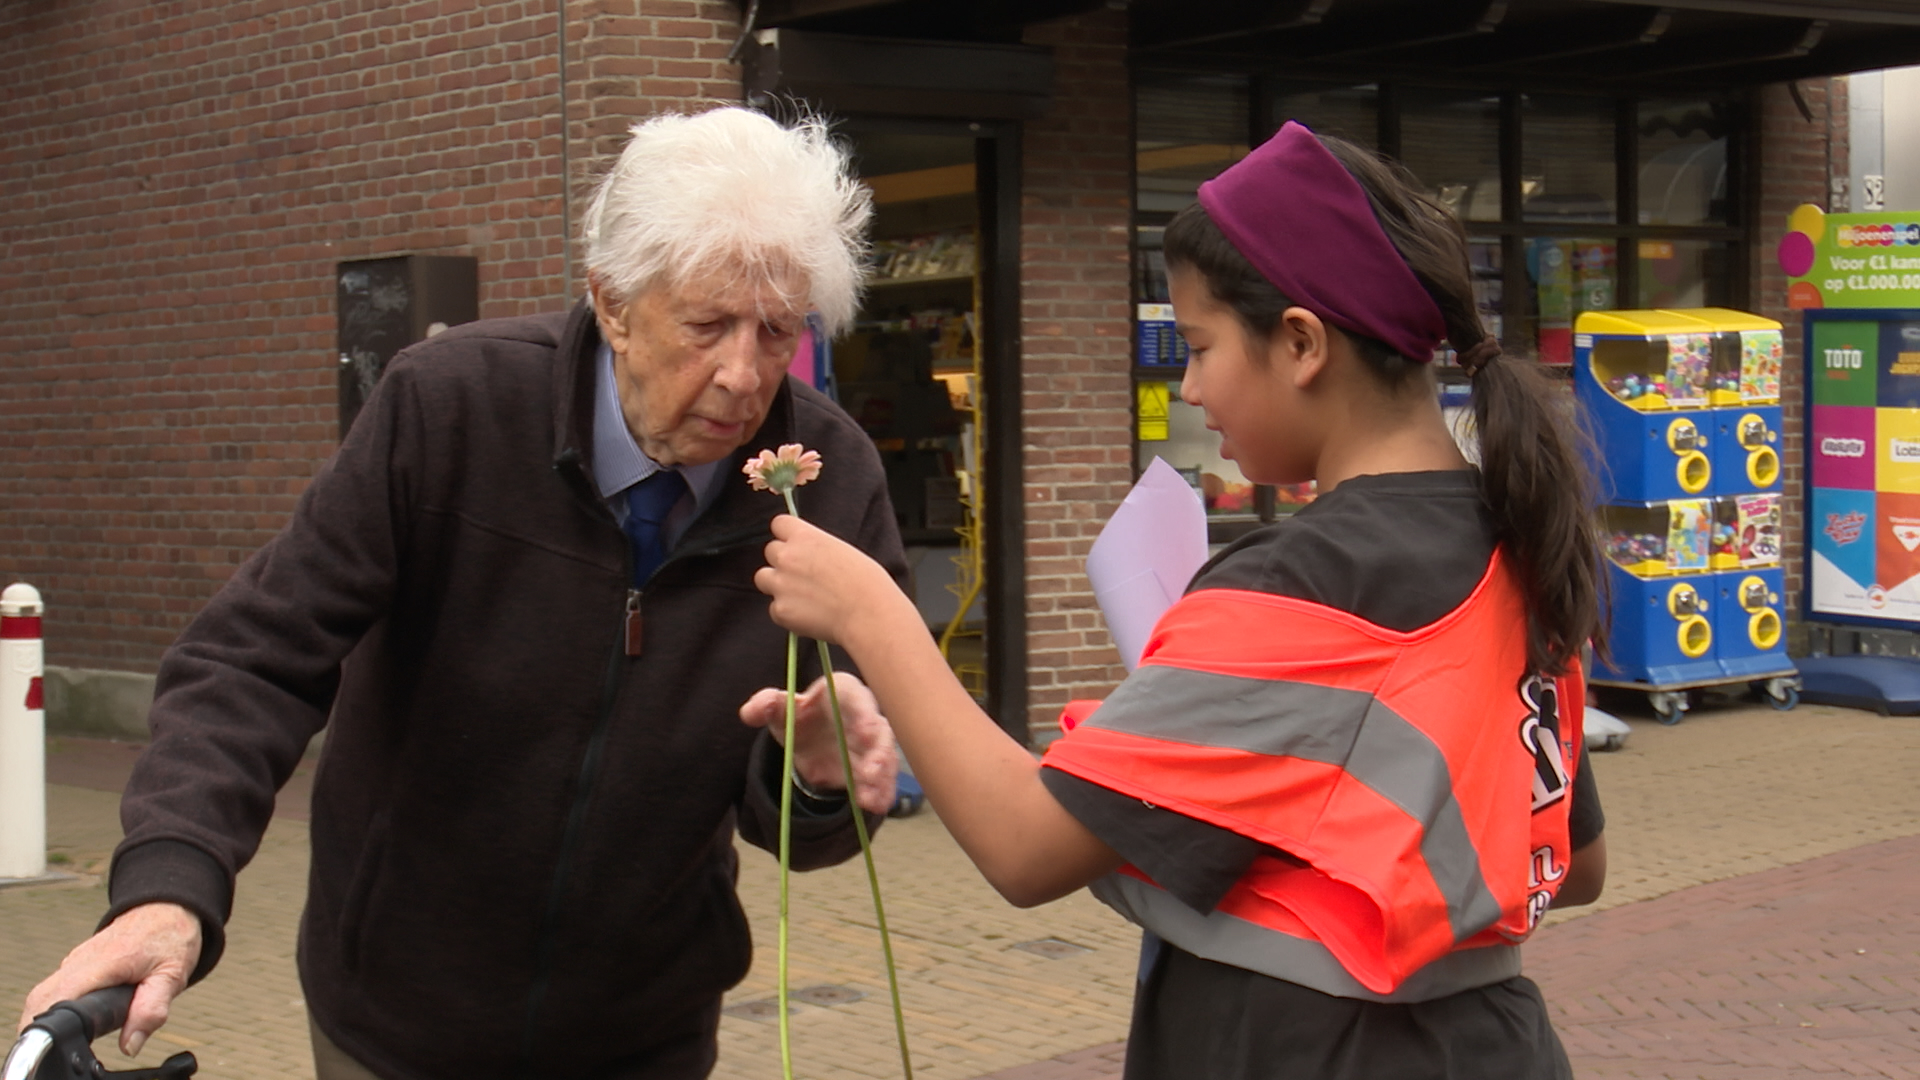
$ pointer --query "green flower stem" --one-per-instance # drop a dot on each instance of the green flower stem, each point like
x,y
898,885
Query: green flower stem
x,y
859,829
866,852
786,845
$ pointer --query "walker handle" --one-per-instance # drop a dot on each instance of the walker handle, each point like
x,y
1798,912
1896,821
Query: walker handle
x,y
55,1046
101,1011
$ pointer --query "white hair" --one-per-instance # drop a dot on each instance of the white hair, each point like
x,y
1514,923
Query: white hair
x,y
732,189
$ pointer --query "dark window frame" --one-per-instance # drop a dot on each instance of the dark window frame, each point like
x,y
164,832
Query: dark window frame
x,y
1512,230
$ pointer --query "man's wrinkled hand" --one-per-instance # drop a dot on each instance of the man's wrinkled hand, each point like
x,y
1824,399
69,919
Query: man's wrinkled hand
x,y
816,753
153,946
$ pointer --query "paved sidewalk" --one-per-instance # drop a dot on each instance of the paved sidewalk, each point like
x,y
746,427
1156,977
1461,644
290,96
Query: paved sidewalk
x,y
1808,970
1752,852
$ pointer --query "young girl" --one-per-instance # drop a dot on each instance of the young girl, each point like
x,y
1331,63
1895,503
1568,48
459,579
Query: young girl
x,y
1346,780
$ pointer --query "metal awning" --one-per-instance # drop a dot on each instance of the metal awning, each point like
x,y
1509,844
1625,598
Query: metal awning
x,y
1616,44
967,20
886,76
1597,44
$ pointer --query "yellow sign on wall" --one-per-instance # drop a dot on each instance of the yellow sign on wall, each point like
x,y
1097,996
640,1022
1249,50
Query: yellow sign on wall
x,y
1154,400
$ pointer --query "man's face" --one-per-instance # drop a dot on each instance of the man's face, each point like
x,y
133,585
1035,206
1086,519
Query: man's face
x,y
697,364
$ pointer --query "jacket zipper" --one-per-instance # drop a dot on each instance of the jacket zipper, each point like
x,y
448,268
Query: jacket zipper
x,y
569,840
626,645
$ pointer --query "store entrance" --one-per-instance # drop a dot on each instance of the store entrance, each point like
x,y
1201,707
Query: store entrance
x,y
913,370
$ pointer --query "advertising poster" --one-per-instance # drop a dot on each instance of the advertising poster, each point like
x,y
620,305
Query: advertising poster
x,y
1896,543
1851,260
1570,276
1845,355
1689,364
1689,534
1841,532
1896,464
1863,457
1760,355
1758,542
1899,349
1843,454
1857,277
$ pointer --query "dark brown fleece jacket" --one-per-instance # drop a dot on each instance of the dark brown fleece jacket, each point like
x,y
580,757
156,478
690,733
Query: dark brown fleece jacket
x,y
522,836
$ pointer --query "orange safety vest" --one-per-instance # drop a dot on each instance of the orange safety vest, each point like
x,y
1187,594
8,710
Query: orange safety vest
x,y
1417,783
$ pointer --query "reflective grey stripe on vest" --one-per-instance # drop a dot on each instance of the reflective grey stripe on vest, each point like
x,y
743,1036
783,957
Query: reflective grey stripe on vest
x,y
1234,941
1349,728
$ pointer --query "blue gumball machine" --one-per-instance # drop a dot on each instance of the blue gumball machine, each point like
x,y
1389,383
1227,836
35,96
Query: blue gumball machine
x,y
1746,449
1749,616
1744,393
1749,624
1663,594
1645,378
1685,410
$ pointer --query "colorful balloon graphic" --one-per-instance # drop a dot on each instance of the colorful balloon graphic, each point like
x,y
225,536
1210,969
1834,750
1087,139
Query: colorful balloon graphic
x,y
1796,254
1807,224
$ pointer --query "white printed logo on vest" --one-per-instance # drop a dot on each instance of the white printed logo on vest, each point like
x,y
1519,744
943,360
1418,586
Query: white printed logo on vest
x,y
1544,870
1540,734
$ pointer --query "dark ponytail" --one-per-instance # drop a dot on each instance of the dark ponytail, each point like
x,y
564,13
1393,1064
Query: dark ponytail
x,y
1533,475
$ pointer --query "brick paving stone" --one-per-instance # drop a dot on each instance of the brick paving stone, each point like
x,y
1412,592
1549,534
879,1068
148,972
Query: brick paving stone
x,y
1722,834
1103,1062
248,1020
1808,805
1817,942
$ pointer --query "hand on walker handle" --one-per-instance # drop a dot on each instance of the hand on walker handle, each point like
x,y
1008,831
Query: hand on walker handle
x,y
154,946
816,751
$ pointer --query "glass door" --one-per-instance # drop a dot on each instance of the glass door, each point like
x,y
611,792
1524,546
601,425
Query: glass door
x,y
911,372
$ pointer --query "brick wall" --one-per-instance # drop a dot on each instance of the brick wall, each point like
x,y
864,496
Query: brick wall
x,y
1797,158
1076,388
177,181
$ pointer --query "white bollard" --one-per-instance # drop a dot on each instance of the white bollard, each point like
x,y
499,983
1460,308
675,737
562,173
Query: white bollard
x,y
23,737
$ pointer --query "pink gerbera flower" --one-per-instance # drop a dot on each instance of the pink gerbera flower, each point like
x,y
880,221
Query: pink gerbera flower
x,y
783,470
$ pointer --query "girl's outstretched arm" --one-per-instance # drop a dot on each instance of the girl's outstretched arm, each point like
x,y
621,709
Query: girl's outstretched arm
x,y
986,786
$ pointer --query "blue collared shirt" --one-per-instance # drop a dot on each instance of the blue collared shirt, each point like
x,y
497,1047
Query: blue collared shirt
x,y
619,463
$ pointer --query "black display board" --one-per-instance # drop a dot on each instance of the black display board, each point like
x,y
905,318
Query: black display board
x,y
388,304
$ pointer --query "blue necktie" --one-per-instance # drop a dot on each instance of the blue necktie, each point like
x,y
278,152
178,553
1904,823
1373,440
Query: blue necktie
x,y
648,504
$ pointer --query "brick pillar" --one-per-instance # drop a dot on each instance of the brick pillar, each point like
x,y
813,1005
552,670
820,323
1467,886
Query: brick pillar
x,y
1796,159
631,59
1076,385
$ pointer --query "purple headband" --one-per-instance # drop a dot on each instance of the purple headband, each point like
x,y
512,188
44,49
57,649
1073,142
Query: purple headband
x,y
1302,220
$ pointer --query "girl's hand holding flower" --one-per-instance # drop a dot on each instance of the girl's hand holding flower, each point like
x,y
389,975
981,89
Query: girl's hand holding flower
x,y
824,587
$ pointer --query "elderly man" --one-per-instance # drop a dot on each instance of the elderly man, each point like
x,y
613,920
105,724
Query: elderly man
x,y
523,589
